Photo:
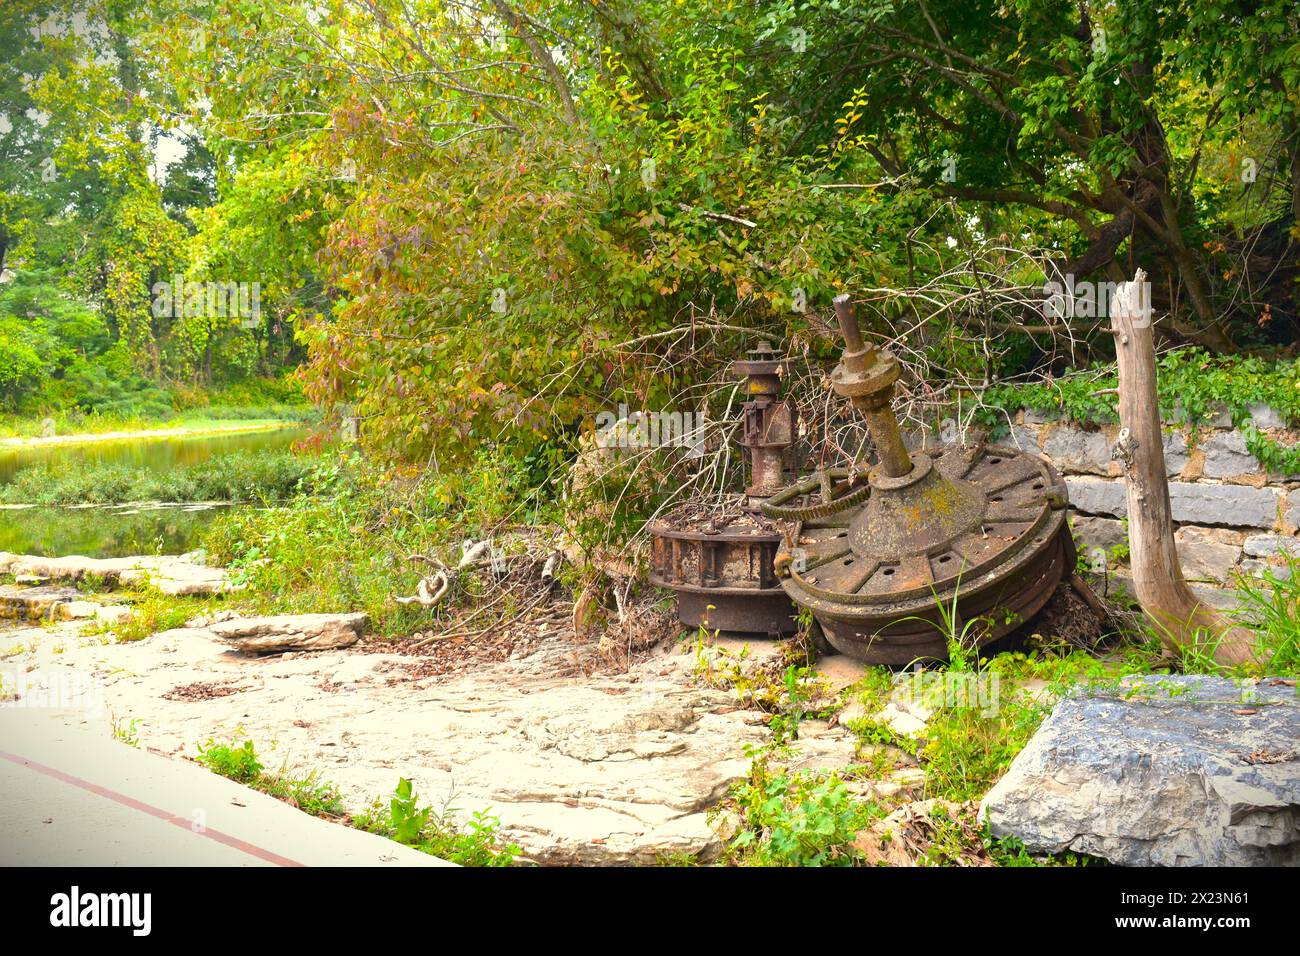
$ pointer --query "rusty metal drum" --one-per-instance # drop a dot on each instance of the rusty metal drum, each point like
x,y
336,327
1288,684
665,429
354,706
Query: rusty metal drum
x,y
971,543
723,576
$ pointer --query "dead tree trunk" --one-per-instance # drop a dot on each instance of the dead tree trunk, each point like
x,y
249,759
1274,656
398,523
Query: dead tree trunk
x,y
1182,621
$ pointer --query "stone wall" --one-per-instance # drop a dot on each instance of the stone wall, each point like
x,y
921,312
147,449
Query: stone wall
x,y
1231,516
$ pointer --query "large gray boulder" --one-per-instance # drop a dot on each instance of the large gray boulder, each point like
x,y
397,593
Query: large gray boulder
x,y
1161,770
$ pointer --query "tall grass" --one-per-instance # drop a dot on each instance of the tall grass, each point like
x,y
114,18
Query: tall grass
x,y
1270,606
350,550
261,476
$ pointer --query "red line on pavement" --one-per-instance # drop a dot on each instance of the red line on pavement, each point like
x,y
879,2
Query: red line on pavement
x,y
153,811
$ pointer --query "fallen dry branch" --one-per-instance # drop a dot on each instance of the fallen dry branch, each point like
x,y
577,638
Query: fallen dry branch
x,y
495,625
527,576
433,588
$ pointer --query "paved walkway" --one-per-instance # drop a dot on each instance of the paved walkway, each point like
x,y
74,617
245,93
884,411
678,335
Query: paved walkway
x,y
71,795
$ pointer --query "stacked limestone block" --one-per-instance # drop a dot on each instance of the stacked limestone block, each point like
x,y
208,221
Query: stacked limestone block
x,y
1231,515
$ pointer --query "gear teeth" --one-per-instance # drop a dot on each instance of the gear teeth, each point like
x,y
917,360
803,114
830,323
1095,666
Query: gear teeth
x,y
776,506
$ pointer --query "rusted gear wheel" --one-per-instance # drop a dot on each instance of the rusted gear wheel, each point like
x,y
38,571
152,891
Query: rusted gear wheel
x,y
981,525
826,493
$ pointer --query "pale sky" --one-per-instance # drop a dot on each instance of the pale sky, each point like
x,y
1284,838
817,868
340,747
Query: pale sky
x,y
170,148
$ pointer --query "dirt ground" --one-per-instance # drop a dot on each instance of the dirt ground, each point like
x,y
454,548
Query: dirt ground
x,y
580,763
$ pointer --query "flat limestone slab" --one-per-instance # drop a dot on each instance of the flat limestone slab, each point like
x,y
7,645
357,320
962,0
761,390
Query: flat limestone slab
x,y
580,767
1163,770
171,574
290,632
33,603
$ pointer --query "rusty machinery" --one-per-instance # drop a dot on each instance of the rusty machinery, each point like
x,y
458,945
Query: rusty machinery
x,y
769,422
893,558
721,562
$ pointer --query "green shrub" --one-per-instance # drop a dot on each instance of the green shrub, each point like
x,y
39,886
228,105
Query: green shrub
x,y
236,476
349,550
474,844
237,761
797,819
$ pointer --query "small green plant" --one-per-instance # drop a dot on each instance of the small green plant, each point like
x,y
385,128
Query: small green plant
x,y
310,794
793,705
128,733
405,817
473,843
790,692
1118,553
1270,605
238,761
796,819
873,692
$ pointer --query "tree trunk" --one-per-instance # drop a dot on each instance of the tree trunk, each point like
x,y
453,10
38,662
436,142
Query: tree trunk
x,y
543,57
1183,622
1295,171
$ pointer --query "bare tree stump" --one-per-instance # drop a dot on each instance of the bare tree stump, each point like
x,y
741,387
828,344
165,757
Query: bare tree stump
x,y
1182,621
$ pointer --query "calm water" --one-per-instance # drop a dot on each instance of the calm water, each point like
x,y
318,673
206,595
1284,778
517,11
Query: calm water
x,y
154,454
103,532
119,531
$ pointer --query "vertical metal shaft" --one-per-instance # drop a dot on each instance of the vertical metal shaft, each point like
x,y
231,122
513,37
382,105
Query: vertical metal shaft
x,y
866,377
848,325
883,426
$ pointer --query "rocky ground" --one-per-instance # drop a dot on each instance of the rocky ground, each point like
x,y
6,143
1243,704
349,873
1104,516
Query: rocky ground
x,y
578,765
587,758
173,575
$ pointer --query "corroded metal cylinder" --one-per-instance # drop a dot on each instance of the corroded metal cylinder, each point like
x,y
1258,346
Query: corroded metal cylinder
x,y
724,577
769,422
720,563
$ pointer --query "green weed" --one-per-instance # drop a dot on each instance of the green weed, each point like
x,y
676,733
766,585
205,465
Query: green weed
x,y
237,761
473,843
796,819
127,732
1270,605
